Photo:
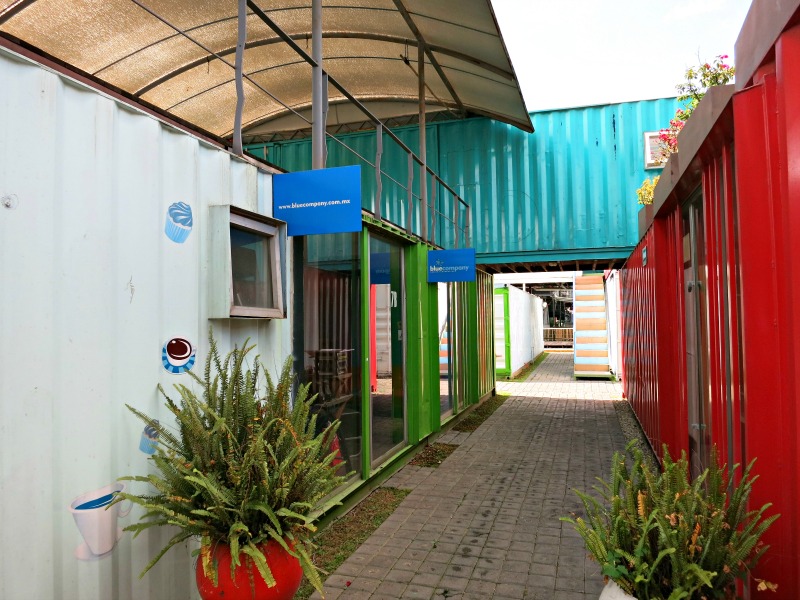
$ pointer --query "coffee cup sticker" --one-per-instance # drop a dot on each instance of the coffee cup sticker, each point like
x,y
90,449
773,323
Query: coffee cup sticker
x,y
97,521
149,439
178,355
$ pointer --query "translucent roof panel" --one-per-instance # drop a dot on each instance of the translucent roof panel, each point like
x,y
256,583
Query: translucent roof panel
x,y
178,55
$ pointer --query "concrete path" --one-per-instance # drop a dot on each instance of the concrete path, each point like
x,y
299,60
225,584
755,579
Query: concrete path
x,y
485,524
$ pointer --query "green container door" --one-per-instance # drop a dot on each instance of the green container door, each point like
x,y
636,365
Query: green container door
x,y
502,333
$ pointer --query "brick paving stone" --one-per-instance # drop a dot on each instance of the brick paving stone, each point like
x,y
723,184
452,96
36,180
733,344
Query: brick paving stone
x,y
363,584
492,508
452,584
389,589
510,591
415,592
399,576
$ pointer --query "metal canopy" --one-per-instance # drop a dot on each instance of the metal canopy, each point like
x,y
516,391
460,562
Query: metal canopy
x,y
178,55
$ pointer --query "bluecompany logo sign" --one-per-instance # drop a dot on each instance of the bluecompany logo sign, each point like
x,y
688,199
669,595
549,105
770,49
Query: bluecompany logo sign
x,y
320,201
451,265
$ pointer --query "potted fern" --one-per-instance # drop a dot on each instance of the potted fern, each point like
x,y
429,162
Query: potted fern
x,y
242,474
664,535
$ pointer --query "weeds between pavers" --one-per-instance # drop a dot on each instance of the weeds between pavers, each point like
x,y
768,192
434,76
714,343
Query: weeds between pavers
x,y
433,455
340,539
523,375
472,421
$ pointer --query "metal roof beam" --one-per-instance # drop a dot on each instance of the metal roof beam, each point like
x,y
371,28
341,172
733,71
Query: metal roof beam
x,y
424,45
328,35
13,9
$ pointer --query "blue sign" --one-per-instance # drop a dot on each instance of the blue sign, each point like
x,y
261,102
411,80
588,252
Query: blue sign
x,y
320,201
451,265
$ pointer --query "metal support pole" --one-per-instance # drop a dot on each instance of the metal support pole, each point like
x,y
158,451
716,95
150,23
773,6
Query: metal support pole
x,y
455,222
434,211
240,42
423,170
410,192
467,233
324,119
378,182
317,122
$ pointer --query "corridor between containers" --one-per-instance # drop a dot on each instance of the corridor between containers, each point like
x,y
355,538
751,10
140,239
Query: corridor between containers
x,y
485,523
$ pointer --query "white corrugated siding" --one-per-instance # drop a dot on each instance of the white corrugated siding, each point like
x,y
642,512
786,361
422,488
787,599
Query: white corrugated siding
x,y
90,289
537,326
614,322
519,316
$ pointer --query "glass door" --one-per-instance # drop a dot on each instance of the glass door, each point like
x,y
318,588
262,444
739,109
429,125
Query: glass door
x,y
694,282
445,357
387,348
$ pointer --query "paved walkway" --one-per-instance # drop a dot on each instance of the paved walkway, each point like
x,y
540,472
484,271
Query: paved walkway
x,y
485,523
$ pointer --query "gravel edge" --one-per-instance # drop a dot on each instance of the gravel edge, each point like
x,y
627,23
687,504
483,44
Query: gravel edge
x,y
632,430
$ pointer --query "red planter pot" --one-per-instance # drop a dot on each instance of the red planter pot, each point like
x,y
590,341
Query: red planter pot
x,y
285,569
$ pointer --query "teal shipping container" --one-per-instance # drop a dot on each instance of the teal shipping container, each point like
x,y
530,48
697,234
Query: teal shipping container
x,y
566,192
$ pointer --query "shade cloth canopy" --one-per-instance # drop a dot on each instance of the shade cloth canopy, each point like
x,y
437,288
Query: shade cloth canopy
x,y
178,55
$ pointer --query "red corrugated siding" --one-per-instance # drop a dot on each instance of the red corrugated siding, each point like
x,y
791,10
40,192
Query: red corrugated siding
x,y
768,286
787,53
652,324
751,357
639,337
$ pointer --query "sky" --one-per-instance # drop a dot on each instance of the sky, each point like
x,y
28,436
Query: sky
x,y
570,53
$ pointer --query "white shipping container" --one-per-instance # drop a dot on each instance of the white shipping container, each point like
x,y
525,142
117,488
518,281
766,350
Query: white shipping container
x,y
519,315
92,287
537,326
614,322
523,315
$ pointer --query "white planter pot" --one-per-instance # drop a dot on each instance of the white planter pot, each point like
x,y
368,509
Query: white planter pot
x,y
613,592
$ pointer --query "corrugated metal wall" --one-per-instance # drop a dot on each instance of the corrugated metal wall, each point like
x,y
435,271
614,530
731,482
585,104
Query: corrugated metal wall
x,y
519,316
90,290
639,335
569,186
486,376
537,326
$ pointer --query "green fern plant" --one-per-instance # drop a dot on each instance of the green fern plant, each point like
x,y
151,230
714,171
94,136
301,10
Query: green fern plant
x,y
666,536
243,467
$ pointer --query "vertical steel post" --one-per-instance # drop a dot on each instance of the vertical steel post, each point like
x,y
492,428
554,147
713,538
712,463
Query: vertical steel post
x,y
423,180
467,230
434,211
317,122
324,119
410,192
240,42
378,182
455,221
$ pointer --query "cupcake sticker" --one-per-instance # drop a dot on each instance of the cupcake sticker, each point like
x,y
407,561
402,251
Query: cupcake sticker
x,y
149,440
178,225
177,355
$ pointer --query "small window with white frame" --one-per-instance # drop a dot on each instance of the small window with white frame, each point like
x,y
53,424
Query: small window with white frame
x,y
255,260
652,150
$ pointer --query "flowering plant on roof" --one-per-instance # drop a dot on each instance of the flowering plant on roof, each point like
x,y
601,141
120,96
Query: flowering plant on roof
x,y
691,91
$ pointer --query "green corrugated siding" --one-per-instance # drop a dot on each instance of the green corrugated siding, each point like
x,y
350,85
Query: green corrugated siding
x,y
485,346
422,351
506,370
